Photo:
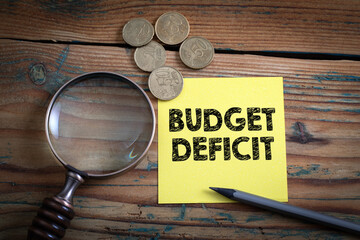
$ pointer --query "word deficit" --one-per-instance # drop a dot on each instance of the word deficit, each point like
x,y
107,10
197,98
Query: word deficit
x,y
211,120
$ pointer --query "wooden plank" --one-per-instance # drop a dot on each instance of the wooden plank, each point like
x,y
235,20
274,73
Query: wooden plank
x,y
322,100
319,26
114,218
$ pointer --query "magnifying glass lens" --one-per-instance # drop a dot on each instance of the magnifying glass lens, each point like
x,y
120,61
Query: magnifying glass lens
x,y
100,124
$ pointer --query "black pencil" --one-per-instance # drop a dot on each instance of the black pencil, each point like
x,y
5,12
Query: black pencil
x,y
290,210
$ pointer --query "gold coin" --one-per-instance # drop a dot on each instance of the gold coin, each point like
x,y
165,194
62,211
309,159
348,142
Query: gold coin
x,y
150,56
196,52
138,32
172,28
165,83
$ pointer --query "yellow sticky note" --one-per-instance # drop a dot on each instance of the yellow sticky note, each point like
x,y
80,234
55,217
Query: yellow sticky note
x,y
222,132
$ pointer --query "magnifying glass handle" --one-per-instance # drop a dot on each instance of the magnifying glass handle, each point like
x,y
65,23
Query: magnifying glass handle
x,y
55,214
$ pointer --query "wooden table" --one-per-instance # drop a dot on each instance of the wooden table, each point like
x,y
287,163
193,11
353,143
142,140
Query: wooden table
x,y
314,45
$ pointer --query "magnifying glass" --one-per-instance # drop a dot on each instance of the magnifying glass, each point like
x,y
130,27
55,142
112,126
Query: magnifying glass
x,y
97,125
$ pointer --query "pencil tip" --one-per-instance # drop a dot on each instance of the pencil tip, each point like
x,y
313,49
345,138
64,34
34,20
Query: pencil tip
x,y
223,191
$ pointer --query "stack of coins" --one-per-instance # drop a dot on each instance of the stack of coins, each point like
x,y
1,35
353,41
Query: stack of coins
x,y
171,28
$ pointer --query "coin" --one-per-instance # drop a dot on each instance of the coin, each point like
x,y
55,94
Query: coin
x,y
138,32
165,83
172,28
150,56
196,52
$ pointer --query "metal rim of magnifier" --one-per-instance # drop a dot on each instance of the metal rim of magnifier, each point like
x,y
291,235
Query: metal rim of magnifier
x,y
84,77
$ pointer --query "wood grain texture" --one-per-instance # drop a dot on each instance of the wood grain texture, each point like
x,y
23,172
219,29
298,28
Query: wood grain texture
x,y
322,102
318,26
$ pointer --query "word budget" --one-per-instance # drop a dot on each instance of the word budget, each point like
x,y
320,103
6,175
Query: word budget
x,y
206,121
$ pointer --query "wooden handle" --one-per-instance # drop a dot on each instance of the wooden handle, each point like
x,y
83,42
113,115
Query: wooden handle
x,y
52,220
55,214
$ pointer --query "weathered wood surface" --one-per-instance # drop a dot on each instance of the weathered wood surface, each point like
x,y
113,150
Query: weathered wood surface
x,y
322,129
282,25
322,102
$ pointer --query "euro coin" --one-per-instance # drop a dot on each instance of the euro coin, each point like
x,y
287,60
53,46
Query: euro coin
x,y
138,32
172,28
150,56
165,83
196,52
